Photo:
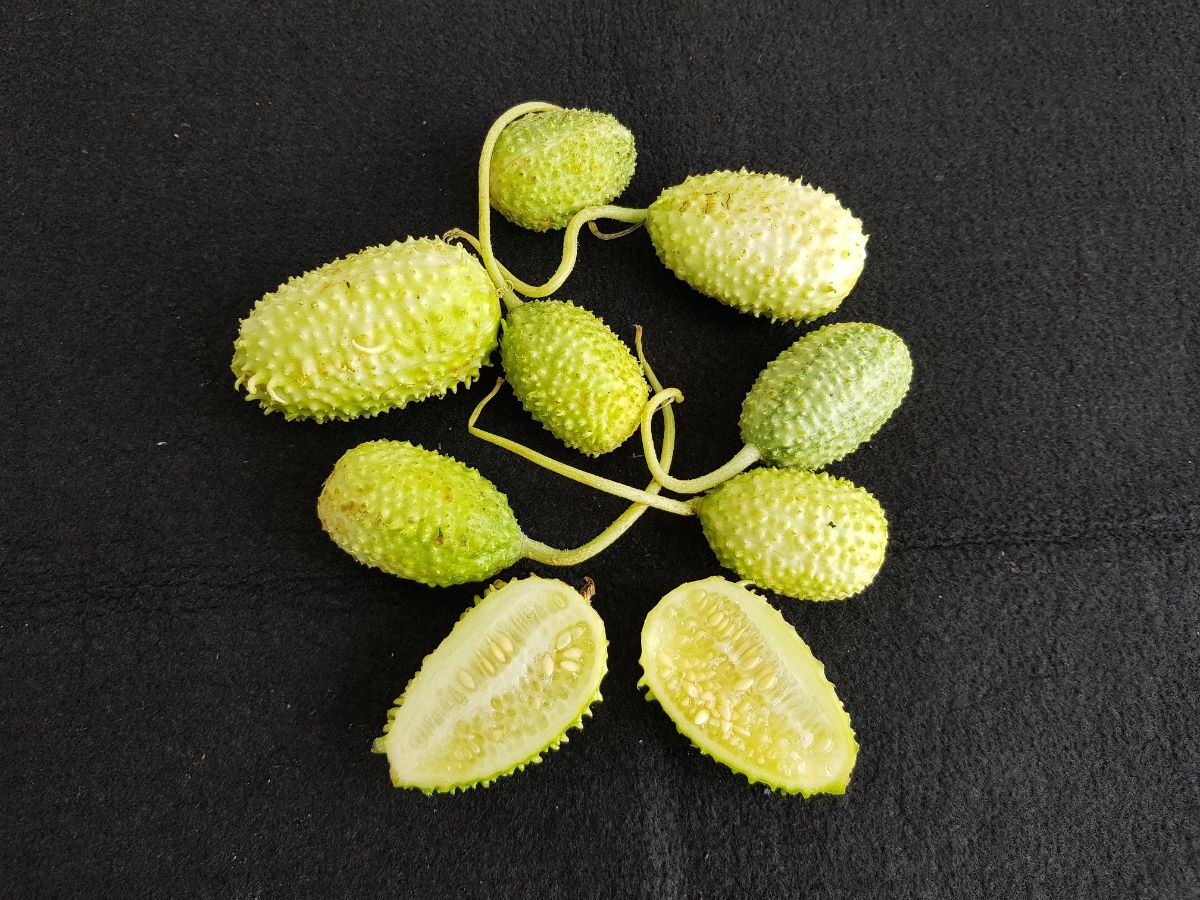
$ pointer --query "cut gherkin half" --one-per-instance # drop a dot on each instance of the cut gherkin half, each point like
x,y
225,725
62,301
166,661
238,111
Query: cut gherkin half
x,y
739,682
518,670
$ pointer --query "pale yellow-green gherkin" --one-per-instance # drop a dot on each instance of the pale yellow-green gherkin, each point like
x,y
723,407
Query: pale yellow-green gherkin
x,y
807,535
519,670
371,332
764,244
826,394
547,166
573,374
740,684
418,514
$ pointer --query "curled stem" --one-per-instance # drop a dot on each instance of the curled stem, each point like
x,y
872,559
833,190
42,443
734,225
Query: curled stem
x,y
744,458
591,480
485,200
549,555
507,283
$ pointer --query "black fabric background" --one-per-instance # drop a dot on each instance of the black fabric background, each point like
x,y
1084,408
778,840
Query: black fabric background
x,y
191,673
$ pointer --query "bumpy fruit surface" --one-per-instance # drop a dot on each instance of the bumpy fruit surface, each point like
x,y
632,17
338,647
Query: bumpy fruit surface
x,y
826,394
743,687
371,332
418,514
519,670
573,374
804,534
764,244
548,166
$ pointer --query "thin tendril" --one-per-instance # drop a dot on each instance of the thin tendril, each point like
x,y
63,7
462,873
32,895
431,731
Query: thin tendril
x,y
612,235
626,520
744,458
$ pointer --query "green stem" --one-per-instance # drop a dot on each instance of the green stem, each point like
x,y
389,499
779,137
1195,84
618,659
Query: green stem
x,y
509,281
744,459
593,481
570,252
484,196
543,553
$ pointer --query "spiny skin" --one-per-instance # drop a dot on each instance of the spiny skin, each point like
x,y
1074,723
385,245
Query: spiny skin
x,y
418,514
519,670
573,374
826,394
763,244
371,332
740,684
548,166
807,535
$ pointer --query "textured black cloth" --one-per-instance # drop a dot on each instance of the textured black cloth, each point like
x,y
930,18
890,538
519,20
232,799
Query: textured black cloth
x,y
191,672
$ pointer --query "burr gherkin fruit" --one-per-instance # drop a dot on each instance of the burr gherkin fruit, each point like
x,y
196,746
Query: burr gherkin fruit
x,y
546,166
373,331
764,244
807,535
519,670
573,374
427,517
740,684
418,514
817,401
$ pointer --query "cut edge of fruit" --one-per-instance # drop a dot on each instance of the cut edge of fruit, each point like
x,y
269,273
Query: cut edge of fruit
x,y
379,745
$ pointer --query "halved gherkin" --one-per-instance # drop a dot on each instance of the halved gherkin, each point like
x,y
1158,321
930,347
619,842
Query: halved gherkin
x,y
741,685
519,669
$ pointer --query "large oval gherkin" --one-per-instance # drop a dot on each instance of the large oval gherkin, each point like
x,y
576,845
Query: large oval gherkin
x,y
764,244
371,332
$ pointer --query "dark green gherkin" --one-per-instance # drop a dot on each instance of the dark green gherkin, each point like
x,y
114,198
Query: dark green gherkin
x,y
826,394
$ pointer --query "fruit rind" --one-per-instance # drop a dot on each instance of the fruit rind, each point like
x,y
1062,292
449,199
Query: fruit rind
x,y
807,535
760,626
826,395
573,374
764,244
418,514
473,649
370,332
547,166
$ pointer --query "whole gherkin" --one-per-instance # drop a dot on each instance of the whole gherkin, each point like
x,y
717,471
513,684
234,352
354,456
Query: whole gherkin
x,y
373,331
547,166
764,244
418,514
808,535
826,394
573,374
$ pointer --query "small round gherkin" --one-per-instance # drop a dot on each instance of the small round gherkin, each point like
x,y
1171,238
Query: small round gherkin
x,y
764,244
808,535
826,394
547,166
418,514
573,374
373,331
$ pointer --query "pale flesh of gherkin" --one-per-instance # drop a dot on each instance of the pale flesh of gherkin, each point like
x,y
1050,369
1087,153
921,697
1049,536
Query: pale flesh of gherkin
x,y
517,671
741,684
